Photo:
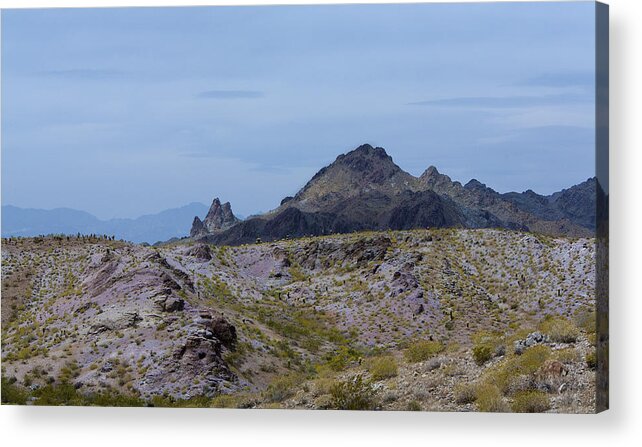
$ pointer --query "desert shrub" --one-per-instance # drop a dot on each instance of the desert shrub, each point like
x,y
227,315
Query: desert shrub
x,y
489,399
341,358
569,355
585,319
11,393
353,394
518,369
532,359
323,385
485,346
531,401
113,399
413,405
560,330
591,360
283,387
422,350
519,383
224,401
465,393
297,274
61,394
383,368
482,354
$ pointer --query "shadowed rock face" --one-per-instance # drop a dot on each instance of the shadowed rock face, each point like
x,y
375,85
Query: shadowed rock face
x,y
198,229
365,190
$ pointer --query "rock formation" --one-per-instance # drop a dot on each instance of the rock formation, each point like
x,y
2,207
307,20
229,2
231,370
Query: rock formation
x,y
218,218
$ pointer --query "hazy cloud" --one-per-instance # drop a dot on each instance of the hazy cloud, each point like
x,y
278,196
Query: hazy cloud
x,y
569,79
498,102
83,73
231,94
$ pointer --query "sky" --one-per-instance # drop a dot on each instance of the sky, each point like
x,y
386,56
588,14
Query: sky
x,y
128,111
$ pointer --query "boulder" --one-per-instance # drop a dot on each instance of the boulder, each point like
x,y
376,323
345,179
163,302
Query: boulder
x,y
224,331
531,339
201,252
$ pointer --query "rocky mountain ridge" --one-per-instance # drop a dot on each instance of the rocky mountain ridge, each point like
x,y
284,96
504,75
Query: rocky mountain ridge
x,y
365,190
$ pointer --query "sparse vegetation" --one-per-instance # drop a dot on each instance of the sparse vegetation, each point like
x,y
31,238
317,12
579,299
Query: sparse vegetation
x,y
530,401
422,350
353,394
559,329
465,393
283,387
488,398
383,367
314,328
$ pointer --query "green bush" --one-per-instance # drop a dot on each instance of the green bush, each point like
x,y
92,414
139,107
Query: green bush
x,y
341,358
486,345
413,405
591,360
489,399
383,368
354,394
11,393
62,394
171,402
515,368
530,402
283,387
482,354
568,355
585,319
224,401
560,330
422,350
465,393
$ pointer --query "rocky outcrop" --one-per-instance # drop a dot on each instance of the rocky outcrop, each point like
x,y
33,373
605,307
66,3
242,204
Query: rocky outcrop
x,y
531,339
198,229
219,217
201,252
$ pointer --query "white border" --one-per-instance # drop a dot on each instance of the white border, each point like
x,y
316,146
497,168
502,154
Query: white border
x,y
21,426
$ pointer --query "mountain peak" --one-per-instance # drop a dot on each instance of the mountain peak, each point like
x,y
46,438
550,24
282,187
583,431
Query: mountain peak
x,y
475,184
434,180
364,169
365,157
219,217
430,172
368,150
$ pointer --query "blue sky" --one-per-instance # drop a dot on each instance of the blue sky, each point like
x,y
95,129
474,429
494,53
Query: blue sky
x,y
123,112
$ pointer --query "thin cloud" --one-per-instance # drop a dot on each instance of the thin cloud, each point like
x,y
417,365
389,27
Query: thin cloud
x,y
500,102
197,154
231,94
82,73
569,79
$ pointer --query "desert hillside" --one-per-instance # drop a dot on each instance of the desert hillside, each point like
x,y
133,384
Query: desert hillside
x,y
432,319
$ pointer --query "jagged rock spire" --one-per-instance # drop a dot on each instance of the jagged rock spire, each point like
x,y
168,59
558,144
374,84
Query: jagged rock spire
x,y
219,217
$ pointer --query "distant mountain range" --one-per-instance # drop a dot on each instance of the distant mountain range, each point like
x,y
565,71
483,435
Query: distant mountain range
x,y
361,190
365,190
151,228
